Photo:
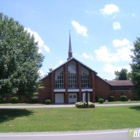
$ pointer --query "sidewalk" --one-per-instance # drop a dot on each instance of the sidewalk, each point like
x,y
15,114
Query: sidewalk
x,y
65,105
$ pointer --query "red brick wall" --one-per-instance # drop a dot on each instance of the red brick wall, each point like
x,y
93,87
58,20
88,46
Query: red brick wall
x,y
46,92
117,94
102,88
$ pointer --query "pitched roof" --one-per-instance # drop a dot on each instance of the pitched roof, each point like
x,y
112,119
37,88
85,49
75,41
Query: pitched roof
x,y
120,82
68,62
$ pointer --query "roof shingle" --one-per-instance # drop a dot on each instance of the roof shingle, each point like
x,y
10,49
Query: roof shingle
x,y
120,82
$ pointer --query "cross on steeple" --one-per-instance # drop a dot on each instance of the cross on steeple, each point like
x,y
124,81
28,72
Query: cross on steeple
x,y
70,47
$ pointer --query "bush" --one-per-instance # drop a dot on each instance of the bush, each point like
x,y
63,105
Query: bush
x,y
79,105
91,105
123,98
34,99
48,101
84,105
101,100
2,100
14,100
111,98
97,98
137,97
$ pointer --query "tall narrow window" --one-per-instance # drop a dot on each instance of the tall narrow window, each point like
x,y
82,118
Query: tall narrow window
x,y
72,78
59,78
85,78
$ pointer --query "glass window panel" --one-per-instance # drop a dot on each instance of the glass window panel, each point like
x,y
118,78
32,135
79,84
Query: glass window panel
x,y
59,81
84,77
72,75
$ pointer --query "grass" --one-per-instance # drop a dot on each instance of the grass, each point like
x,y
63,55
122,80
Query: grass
x,y
69,119
20,104
122,102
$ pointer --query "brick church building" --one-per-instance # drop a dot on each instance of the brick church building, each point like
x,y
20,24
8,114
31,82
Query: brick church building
x,y
70,82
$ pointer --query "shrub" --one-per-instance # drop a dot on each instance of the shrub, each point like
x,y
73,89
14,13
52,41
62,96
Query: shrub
x,y
34,99
97,98
14,100
48,101
91,105
111,98
137,97
84,105
79,105
101,100
123,98
2,100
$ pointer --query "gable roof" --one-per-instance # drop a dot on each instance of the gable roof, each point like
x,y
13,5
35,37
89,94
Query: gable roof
x,y
68,62
120,82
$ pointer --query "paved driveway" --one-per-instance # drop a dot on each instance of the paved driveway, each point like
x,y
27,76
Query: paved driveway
x,y
84,135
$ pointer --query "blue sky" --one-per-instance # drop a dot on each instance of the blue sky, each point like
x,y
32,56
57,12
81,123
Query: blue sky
x,y
102,32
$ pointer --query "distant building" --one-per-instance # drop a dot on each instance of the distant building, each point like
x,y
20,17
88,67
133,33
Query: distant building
x,y
69,82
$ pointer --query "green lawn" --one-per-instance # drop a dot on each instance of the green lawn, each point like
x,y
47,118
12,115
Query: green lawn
x,y
121,102
20,104
68,119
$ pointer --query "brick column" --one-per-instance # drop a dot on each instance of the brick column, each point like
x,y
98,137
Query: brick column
x,y
66,83
52,88
93,86
79,81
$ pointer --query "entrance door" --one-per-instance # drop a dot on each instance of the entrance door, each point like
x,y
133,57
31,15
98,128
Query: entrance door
x,y
59,98
72,97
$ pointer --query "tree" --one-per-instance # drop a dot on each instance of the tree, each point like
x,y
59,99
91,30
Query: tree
x,y
122,75
135,66
19,59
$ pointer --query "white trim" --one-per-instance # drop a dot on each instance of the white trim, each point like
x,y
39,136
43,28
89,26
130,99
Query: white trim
x,y
73,90
59,90
84,90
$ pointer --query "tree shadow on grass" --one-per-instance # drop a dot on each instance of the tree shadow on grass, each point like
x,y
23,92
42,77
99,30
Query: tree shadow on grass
x,y
135,107
10,114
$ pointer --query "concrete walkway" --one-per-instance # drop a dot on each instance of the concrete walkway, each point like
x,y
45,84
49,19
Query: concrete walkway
x,y
64,105
123,134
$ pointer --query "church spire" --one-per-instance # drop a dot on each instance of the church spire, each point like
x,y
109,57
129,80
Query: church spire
x,y
70,47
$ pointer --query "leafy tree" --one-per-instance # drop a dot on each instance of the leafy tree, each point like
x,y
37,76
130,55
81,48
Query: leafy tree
x,y
135,66
50,69
122,75
19,59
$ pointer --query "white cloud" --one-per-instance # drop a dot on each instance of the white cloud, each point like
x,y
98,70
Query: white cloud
x,y
116,25
80,29
109,68
120,43
109,9
38,39
61,62
87,56
133,15
121,54
91,12
104,54
46,48
41,73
